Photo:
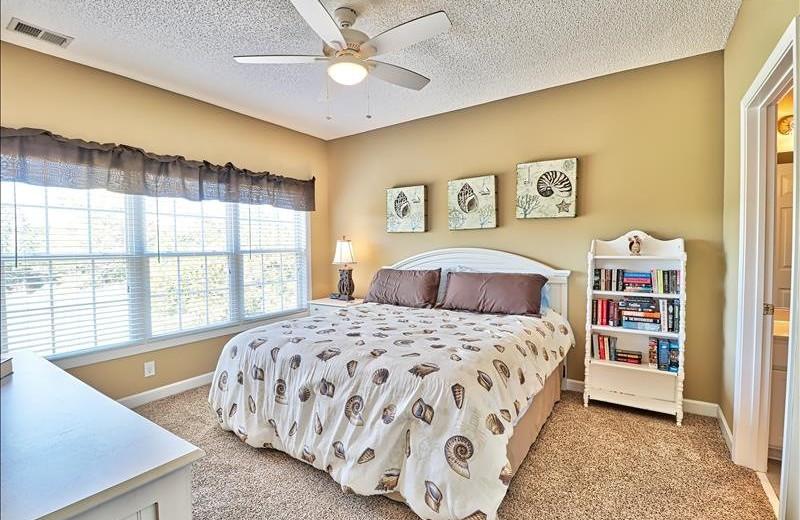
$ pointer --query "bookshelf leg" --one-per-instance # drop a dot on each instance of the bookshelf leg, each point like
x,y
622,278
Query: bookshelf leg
x,y
585,400
679,417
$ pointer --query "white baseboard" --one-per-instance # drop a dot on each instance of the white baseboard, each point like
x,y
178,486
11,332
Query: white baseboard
x,y
771,495
701,408
775,453
132,401
726,431
573,385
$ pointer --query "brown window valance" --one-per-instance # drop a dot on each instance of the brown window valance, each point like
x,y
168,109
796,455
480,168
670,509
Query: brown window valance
x,y
74,163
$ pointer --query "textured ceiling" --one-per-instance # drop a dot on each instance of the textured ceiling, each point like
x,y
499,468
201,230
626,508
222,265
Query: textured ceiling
x,y
495,49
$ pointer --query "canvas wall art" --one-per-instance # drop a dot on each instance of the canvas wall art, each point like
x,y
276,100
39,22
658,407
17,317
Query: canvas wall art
x,y
405,209
547,189
472,203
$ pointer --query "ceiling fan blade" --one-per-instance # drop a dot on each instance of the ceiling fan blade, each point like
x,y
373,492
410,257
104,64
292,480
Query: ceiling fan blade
x,y
278,60
397,75
409,33
319,19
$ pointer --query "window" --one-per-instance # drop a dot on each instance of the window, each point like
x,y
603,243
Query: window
x,y
82,269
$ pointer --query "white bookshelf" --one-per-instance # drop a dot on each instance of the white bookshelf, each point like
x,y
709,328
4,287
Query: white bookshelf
x,y
640,386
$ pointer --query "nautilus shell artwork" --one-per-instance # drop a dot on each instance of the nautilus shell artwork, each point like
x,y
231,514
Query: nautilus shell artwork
x,y
552,183
405,209
472,203
546,189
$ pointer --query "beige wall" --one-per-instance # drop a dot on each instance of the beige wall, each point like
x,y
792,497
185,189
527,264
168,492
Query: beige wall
x,y
759,25
649,148
80,102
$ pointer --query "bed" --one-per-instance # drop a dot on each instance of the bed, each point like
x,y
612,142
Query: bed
x,y
433,407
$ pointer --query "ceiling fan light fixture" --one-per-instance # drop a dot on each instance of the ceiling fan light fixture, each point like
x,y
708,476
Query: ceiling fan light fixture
x,y
347,71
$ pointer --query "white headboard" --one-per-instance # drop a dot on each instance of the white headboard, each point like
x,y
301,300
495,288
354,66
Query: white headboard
x,y
493,261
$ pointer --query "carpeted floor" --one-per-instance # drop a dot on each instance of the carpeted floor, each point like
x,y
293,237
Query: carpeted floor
x,y
604,462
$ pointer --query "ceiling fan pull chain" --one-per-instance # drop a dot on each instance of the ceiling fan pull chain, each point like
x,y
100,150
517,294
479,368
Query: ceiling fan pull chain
x,y
369,110
328,115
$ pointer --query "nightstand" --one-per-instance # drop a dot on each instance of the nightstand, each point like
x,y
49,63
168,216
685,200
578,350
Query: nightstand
x,y
325,306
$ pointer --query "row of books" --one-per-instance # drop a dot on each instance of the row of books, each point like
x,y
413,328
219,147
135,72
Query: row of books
x,y
662,354
658,281
605,347
637,313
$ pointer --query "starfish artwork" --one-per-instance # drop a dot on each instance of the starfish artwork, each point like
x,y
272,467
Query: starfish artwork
x,y
563,206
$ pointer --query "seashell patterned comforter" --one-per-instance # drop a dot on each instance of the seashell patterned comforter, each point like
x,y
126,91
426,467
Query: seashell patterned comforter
x,y
391,399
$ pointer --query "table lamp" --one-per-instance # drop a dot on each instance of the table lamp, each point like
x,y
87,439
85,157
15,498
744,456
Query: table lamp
x,y
343,257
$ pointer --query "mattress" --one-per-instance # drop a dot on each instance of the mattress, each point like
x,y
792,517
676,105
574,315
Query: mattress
x,y
420,403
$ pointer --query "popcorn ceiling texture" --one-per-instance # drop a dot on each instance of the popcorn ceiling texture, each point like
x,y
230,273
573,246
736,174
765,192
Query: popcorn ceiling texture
x,y
601,463
494,50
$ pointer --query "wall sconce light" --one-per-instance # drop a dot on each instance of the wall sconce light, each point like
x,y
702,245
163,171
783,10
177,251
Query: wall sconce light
x,y
786,125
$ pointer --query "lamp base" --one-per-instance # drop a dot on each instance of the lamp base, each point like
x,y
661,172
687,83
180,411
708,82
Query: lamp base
x,y
346,285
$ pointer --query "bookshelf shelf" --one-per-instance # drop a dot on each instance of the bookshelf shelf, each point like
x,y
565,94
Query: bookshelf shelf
x,y
646,258
630,366
621,330
643,385
624,294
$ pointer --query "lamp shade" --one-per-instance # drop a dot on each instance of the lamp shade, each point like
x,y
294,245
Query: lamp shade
x,y
344,252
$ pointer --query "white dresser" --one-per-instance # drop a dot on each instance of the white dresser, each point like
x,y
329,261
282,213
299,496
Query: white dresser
x,y
68,451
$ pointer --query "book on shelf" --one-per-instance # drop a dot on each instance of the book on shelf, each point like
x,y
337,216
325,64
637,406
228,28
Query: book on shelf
x,y
652,352
656,281
605,347
637,313
673,356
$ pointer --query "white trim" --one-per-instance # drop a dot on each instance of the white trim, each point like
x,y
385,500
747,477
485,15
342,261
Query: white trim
x,y
726,430
703,408
775,454
573,385
771,496
790,466
148,396
753,344
88,357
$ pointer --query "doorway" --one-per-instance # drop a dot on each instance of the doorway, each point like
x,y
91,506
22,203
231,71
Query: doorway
x,y
757,271
782,241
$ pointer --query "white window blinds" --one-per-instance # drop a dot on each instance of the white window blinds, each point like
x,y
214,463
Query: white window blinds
x,y
83,269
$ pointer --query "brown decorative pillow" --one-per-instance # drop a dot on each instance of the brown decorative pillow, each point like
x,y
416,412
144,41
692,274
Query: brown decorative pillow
x,y
404,287
494,293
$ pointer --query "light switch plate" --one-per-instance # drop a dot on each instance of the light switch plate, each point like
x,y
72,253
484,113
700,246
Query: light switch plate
x,y
149,368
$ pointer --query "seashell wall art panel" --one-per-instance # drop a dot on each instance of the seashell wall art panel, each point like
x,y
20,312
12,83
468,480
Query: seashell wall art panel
x,y
472,203
546,189
405,210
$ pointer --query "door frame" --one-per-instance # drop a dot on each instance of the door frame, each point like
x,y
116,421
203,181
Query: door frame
x,y
753,333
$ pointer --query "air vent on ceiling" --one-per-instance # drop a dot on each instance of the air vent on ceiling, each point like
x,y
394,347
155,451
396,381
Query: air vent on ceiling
x,y
39,33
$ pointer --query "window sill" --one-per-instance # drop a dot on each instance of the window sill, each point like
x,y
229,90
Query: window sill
x,y
97,355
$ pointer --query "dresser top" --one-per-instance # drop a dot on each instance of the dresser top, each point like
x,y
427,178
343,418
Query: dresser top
x,y
66,447
331,302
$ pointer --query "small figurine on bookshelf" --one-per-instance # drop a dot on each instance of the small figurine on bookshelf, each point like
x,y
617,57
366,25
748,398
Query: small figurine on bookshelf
x,y
635,245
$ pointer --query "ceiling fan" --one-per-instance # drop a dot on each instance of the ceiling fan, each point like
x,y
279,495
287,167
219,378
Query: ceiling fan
x,y
351,52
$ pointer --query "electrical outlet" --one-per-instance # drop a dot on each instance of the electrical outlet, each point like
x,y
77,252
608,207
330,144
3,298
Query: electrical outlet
x,y
149,368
